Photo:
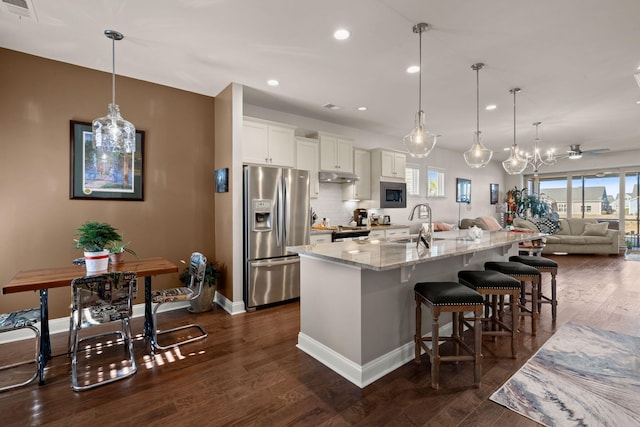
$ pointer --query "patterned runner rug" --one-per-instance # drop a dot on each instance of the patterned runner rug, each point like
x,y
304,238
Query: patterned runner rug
x,y
581,376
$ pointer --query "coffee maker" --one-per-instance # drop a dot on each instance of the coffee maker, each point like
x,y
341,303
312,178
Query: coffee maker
x,y
360,217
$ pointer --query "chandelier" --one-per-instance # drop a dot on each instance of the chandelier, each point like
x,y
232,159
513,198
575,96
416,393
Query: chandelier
x,y
535,160
515,164
112,133
478,156
420,141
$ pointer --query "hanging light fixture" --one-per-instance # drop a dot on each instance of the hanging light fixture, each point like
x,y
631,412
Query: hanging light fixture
x,y
535,160
112,133
478,156
515,164
420,141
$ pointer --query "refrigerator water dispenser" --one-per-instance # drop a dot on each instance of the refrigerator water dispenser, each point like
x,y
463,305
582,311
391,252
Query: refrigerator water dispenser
x,y
261,215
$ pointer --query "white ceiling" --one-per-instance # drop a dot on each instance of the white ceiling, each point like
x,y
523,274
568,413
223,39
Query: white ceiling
x,y
573,59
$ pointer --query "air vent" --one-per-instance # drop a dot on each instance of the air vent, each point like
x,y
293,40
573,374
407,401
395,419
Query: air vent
x,y
332,107
21,8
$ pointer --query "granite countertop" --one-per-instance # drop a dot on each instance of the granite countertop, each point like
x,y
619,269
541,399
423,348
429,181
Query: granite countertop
x,y
391,253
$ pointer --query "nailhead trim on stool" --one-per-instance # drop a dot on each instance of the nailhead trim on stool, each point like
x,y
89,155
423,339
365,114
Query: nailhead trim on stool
x,y
457,299
523,273
544,265
493,284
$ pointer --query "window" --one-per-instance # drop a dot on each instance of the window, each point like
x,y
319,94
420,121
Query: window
x,y
435,182
413,180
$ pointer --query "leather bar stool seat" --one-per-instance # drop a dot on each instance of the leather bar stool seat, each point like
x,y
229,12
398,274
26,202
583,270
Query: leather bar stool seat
x,y
544,265
524,273
457,299
494,285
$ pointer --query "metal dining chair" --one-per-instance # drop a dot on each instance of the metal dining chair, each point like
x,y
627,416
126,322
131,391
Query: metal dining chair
x,y
197,268
23,319
97,300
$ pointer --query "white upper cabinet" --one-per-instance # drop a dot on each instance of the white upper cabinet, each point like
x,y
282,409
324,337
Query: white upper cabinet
x,y
361,189
336,153
307,159
268,143
393,164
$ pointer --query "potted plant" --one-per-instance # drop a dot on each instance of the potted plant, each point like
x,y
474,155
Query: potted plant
x,y
211,276
117,248
95,238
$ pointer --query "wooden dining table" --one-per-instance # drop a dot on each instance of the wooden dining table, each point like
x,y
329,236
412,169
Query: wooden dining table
x,y
47,278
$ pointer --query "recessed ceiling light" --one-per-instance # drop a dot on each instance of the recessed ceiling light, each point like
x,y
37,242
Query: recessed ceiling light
x,y
491,107
413,69
362,108
273,82
341,34
638,102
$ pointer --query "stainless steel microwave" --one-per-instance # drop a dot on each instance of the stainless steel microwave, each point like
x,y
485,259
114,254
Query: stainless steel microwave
x,y
393,194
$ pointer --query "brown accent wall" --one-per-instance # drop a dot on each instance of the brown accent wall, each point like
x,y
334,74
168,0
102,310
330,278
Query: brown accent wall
x,y
38,98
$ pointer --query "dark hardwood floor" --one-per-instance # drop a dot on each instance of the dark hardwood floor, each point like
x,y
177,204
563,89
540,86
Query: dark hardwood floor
x,y
249,371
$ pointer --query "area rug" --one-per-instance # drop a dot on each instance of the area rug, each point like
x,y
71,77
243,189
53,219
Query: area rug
x,y
581,376
632,257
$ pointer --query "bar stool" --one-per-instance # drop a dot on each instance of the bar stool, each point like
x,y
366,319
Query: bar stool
x,y
524,273
23,319
544,265
493,284
454,298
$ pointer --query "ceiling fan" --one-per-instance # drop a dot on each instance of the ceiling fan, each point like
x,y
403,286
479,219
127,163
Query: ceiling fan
x,y
574,152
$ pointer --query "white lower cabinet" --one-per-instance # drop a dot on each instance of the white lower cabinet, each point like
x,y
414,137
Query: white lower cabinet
x,y
397,232
320,238
390,232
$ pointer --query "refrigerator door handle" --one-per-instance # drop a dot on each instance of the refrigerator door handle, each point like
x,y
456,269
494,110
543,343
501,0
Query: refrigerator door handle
x,y
278,213
285,212
271,263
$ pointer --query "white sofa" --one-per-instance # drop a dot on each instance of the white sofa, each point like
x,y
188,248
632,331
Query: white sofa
x,y
578,236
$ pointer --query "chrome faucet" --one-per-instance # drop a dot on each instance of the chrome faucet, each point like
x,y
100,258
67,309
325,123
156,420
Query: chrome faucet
x,y
425,237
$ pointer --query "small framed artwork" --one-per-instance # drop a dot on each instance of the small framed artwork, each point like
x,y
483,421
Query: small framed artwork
x,y
493,193
463,190
222,180
102,175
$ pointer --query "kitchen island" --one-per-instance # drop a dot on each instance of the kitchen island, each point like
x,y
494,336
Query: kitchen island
x,y
356,298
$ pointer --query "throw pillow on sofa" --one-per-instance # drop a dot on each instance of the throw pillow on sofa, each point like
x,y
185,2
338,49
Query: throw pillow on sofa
x,y
596,229
545,225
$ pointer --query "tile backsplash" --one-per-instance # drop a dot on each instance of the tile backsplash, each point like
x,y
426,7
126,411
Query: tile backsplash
x,y
329,205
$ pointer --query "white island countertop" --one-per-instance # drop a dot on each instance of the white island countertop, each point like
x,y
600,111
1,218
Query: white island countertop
x,y
391,253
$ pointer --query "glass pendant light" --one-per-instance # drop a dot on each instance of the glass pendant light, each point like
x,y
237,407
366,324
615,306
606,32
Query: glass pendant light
x,y
420,141
515,164
478,156
112,133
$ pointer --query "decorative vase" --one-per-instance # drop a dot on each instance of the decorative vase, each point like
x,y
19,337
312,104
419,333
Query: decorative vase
x,y
475,233
96,261
205,301
116,258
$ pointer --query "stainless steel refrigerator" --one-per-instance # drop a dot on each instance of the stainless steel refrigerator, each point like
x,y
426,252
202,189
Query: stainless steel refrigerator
x,y
276,215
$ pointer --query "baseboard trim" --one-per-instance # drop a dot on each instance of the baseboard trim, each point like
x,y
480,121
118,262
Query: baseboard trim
x,y
360,375
61,324
231,307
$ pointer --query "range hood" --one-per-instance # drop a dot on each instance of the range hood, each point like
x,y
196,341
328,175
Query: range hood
x,y
337,177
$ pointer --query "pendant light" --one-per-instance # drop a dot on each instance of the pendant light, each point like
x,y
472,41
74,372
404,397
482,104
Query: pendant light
x,y
420,141
112,133
478,156
536,160
515,164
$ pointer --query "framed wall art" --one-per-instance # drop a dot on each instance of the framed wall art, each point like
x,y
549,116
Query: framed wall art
x,y
222,180
493,193
463,190
102,175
